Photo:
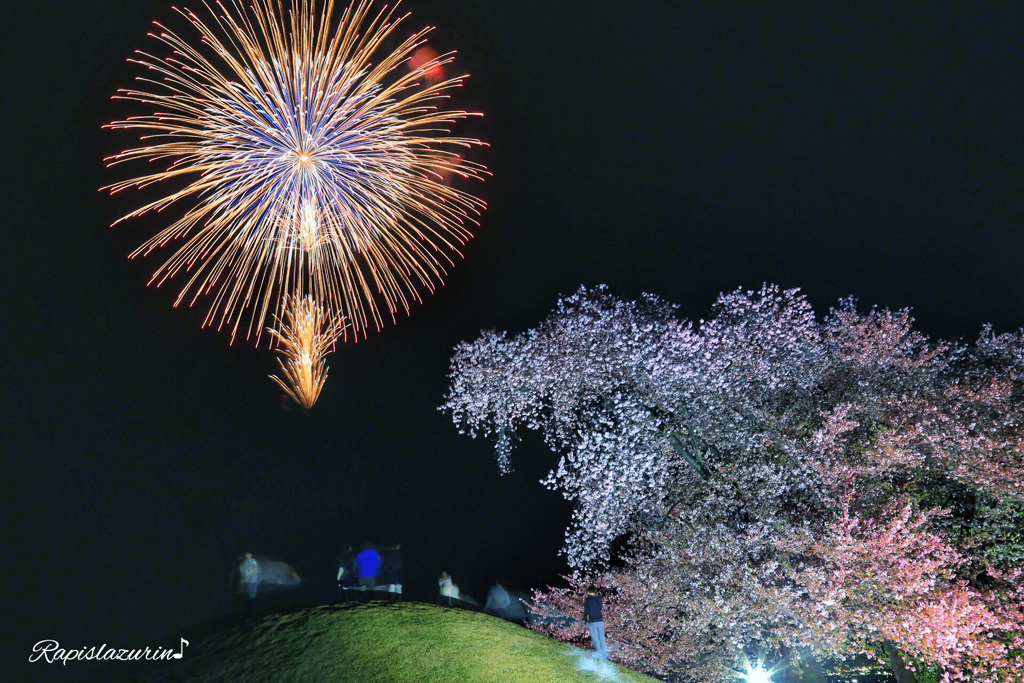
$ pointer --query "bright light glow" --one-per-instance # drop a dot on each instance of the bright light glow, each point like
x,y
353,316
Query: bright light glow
x,y
757,675
308,226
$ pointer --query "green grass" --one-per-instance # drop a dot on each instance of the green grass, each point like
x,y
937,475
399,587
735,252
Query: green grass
x,y
400,643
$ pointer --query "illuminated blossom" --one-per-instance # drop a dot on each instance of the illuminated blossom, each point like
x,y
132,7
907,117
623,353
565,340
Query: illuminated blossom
x,y
763,478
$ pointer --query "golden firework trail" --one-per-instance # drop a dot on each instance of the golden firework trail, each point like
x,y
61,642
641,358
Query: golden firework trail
x,y
307,158
305,333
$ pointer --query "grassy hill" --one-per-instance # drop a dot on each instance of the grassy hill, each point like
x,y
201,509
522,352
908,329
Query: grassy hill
x,y
400,643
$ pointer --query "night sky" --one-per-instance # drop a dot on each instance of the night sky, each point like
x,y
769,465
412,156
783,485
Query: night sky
x,y
668,147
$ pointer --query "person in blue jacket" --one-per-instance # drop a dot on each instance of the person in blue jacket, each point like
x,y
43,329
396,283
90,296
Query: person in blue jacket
x,y
592,608
367,567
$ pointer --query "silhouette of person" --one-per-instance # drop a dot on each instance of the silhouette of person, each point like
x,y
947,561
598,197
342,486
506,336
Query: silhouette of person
x,y
346,572
592,608
446,589
391,571
367,567
250,573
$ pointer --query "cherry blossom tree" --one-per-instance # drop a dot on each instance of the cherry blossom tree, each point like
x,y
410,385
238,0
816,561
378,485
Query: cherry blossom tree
x,y
765,479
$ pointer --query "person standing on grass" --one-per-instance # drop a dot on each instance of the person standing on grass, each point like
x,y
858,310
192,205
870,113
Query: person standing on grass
x,y
367,566
446,589
346,573
592,608
250,573
391,570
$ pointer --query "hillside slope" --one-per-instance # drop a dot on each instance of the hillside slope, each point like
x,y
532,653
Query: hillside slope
x,y
380,642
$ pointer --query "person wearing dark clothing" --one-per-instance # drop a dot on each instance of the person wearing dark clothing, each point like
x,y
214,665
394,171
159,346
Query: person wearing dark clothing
x,y
367,567
592,608
391,571
346,572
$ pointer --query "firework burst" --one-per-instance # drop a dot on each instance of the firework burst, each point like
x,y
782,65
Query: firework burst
x,y
305,333
307,160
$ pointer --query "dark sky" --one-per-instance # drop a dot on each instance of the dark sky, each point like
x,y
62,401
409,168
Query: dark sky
x,y
671,147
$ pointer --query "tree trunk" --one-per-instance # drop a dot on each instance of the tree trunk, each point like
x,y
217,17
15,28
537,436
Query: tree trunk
x,y
690,454
899,667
